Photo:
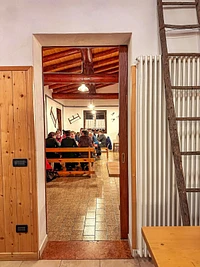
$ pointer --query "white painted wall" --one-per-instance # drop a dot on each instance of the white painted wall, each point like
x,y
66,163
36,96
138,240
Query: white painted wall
x,y
69,111
21,19
112,126
50,103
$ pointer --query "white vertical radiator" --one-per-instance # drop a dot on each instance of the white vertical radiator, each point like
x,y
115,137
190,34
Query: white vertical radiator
x,y
157,197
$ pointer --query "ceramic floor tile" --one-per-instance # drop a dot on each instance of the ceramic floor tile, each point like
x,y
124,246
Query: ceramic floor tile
x,y
89,230
145,262
119,263
10,263
90,222
68,204
90,215
100,235
100,200
100,211
41,263
80,263
78,226
89,237
77,232
100,217
101,226
100,206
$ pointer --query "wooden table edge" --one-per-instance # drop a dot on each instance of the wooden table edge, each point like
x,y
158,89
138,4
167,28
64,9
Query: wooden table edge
x,y
148,247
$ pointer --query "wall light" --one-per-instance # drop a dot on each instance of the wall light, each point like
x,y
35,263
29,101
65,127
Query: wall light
x,y
83,88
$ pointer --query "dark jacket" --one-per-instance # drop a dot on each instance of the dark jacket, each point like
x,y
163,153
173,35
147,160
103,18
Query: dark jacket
x,y
102,138
108,143
69,142
50,143
85,141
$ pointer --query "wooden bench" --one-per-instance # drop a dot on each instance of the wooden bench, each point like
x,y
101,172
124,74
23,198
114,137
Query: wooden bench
x,y
104,150
79,160
173,246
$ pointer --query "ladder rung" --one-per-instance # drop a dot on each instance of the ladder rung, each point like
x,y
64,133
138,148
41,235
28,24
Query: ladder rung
x,y
186,87
184,54
182,27
191,153
188,118
195,190
179,4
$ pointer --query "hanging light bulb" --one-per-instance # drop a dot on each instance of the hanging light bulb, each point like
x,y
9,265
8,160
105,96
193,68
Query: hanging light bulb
x,y
83,88
93,111
90,106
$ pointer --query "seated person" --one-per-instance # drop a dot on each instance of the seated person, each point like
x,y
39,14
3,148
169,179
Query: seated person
x,y
58,137
69,142
95,143
73,136
85,141
102,139
50,143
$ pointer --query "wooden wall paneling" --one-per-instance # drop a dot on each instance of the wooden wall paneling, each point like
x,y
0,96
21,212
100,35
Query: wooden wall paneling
x,y
9,178
123,139
2,224
18,191
133,156
21,151
32,161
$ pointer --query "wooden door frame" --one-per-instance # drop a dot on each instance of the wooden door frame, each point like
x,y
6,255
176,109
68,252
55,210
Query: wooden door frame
x,y
123,139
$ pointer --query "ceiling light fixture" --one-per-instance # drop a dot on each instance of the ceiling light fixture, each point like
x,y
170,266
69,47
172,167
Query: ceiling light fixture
x,y
90,106
83,88
93,111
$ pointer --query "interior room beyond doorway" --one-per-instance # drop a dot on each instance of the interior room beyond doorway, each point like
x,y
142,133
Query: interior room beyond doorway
x,y
79,207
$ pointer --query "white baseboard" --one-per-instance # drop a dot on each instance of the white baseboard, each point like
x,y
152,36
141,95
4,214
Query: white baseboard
x,y
42,247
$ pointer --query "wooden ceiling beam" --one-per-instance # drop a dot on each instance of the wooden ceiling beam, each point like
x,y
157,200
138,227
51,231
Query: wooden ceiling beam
x,y
72,70
80,78
55,86
85,96
60,54
88,67
113,71
66,88
103,85
106,61
106,68
72,91
105,53
54,67
66,65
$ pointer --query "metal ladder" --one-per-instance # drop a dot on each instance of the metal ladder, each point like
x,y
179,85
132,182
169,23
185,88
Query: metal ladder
x,y
177,154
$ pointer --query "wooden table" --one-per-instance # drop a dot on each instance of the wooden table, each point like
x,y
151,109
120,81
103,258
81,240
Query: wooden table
x,y
173,246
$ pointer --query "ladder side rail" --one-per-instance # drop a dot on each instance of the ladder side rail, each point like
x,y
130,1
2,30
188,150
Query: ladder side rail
x,y
172,122
198,10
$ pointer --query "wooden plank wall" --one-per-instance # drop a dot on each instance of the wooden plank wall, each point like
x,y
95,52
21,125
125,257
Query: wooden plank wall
x,y
133,155
18,196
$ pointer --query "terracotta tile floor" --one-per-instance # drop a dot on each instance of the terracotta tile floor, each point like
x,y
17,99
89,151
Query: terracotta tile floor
x,y
83,208
79,263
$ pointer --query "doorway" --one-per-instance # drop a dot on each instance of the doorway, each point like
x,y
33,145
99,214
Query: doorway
x,y
72,39
117,224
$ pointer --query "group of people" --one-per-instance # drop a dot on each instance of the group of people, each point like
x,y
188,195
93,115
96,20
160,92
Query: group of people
x,y
84,138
